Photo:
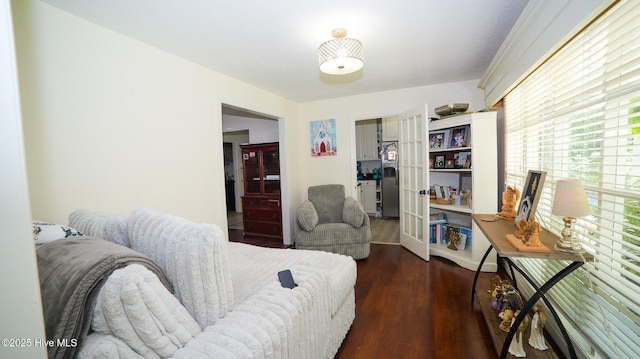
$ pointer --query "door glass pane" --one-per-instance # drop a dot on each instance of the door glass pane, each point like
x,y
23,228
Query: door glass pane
x,y
271,168
405,178
410,226
252,170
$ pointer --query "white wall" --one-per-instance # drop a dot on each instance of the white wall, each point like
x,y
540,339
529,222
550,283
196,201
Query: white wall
x,y
21,309
342,167
260,130
112,124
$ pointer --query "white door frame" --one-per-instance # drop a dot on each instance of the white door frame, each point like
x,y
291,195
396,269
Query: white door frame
x,y
284,173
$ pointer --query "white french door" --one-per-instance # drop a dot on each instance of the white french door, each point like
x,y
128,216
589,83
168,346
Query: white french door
x,y
413,167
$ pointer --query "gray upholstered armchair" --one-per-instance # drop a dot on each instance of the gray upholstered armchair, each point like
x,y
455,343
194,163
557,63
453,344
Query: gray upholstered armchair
x,y
330,221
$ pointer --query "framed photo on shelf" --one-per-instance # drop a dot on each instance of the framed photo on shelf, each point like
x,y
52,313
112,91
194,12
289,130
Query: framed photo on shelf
x,y
459,137
465,182
438,140
439,162
463,160
450,163
530,195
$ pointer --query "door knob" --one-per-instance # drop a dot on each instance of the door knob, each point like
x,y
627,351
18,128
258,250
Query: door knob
x,y
423,191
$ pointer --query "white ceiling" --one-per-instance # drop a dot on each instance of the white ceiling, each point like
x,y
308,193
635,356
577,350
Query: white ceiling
x,y
272,44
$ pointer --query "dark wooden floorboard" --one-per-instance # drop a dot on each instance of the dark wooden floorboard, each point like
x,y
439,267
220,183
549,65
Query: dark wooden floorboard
x,y
409,308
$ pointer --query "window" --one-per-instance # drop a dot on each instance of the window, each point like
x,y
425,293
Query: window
x,y
578,116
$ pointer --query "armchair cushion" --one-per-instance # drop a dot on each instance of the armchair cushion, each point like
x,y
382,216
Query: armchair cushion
x,y
307,216
329,201
352,212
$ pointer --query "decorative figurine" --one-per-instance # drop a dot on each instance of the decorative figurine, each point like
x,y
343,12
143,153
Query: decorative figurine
x,y
497,298
509,199
516,347
536,340
512,303
466,195
495,281
527,232
501,296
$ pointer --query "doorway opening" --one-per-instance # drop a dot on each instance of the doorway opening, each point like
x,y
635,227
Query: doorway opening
x,y
373,153
241,126
234,184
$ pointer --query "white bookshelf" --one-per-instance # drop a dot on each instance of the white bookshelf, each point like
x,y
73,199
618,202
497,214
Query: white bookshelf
x,y
483,182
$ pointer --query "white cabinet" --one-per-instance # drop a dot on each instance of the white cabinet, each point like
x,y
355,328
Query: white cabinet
x,y
367,140
369,196
479,175
390,128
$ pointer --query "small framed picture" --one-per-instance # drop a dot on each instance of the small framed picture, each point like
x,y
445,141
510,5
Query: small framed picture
x,y
464,160
459,137
450,163
439,162
530,195
438,140
465,181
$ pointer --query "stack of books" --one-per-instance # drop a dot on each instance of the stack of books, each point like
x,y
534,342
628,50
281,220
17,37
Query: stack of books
x,y
437,226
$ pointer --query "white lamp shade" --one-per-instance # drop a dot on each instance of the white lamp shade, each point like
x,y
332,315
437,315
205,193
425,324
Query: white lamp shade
x,y
570,199
340,56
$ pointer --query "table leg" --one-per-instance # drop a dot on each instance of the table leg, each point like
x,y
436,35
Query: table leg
x,y
475,278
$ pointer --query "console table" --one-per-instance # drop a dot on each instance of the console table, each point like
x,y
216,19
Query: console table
x,y
496,229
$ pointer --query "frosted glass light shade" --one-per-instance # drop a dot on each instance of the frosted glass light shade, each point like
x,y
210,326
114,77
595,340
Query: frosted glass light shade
x,y
570,199
340,56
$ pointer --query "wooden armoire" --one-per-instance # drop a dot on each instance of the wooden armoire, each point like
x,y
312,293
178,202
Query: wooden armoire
x,y
261,205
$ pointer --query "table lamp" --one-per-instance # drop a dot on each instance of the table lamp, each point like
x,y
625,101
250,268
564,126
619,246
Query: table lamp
x,y
570,202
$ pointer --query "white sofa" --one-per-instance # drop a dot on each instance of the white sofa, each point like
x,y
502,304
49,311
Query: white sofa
x,y
227,300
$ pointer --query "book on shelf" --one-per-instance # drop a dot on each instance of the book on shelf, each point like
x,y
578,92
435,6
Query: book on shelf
x,y
436,218
467,232
436,232
436,223
443,191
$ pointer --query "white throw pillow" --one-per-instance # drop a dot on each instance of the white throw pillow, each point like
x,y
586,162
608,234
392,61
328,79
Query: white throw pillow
x,y
193,257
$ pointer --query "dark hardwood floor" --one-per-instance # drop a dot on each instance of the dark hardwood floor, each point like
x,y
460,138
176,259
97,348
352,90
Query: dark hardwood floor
x,y
409,308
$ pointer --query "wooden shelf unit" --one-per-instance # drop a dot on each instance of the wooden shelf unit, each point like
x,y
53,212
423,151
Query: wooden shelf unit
x,y
261,205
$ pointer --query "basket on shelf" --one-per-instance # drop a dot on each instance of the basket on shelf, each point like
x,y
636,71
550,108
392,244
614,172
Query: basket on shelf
x,y
444,200
451,109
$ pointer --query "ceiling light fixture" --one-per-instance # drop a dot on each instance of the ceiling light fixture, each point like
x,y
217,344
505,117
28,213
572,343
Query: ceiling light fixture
x,y
341,55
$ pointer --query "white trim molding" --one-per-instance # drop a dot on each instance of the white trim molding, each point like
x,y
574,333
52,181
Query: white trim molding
x,y
541,30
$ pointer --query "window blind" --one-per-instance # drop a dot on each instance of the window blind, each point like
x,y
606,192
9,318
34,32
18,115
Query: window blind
x,y
578,116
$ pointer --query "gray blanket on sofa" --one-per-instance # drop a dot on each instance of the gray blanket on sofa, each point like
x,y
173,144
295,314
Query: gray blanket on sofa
x,y
72,271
